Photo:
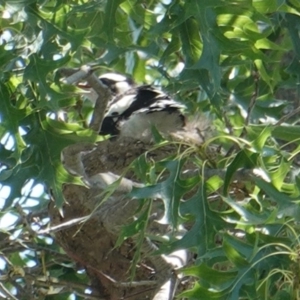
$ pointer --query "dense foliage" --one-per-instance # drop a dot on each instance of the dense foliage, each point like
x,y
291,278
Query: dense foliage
x,y
237,62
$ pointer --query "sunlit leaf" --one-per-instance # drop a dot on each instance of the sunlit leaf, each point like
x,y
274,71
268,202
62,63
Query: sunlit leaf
x,y
237,63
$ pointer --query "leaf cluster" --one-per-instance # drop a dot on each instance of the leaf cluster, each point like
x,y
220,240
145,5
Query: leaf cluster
x,y
235,61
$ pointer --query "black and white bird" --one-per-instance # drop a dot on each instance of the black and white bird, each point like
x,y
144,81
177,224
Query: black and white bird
x,y
134,111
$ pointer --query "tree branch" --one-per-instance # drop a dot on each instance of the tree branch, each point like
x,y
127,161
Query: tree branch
x,y
103,92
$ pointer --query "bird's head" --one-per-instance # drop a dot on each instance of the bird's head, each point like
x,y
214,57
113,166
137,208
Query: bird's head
x,y
117,83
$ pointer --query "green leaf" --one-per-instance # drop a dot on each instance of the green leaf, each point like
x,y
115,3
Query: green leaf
x,y
173,47
190,40
244,159
170,191
234,256
247,216
199,292
287,206
261,139
207,222
53,141
268,6
109,21
223,279
284,132
42,160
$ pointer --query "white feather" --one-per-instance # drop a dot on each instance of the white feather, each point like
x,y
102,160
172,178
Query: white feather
x,y
114,77
139,126
120,106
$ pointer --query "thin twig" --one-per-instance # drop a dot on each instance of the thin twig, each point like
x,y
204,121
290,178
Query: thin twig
x,y
104,95
24,219
253,97
65,225
78,75
6,292
240,175
286,117
128,284
47,281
